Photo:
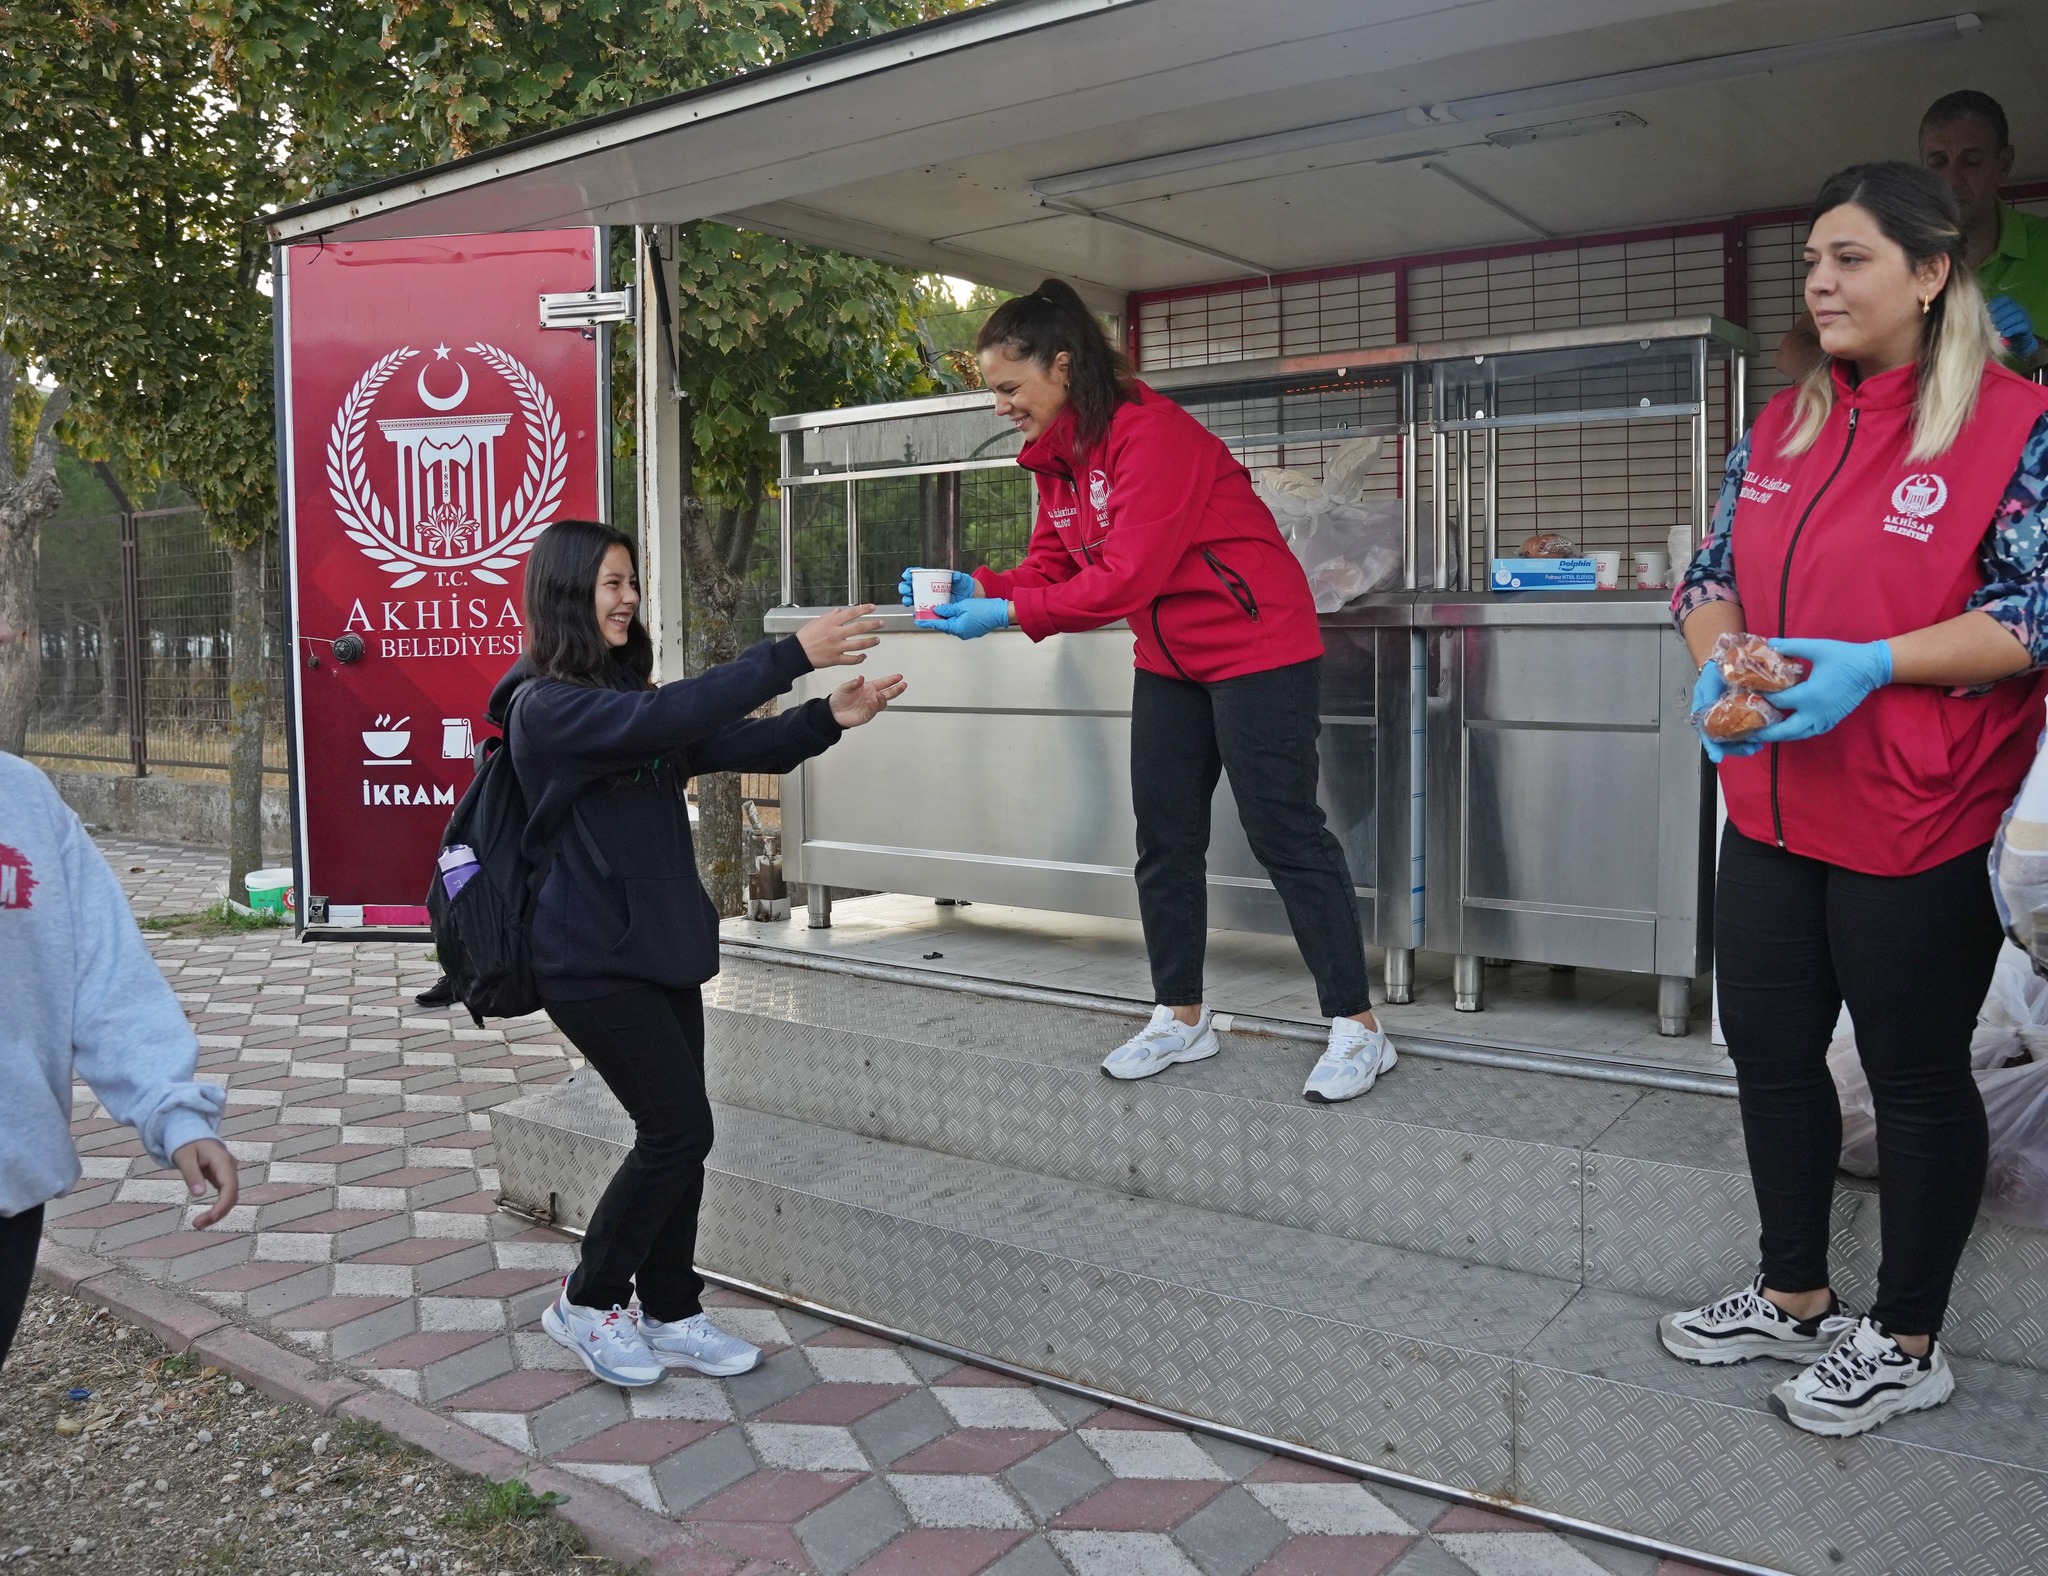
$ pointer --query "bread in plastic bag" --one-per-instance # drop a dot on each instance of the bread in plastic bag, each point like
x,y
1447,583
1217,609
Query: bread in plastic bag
x,y
1735,716
1548,544
1750,662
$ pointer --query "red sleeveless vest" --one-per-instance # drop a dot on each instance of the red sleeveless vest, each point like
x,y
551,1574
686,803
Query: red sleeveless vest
x,y
1851,541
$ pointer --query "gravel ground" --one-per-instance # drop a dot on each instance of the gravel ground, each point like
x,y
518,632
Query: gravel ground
x,y
169,1468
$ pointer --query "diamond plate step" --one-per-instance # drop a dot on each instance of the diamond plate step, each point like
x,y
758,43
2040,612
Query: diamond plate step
x,y
1614,1186
1530,1386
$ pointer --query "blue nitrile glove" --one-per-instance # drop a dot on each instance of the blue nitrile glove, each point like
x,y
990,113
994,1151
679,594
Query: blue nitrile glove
x,y
2014,326
977,615
1840,673
963,586
1709,687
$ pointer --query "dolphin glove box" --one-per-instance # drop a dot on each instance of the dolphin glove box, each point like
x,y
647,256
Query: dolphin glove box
x,y
1545,574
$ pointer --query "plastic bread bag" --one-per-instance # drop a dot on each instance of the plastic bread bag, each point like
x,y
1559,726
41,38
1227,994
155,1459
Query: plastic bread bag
x,y
1749,662
1734,717
1348,469
1548,544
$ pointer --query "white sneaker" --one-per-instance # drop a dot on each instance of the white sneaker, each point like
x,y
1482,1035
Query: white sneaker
x,y
1746,1324
697,1343
609,1343
1353,1063
1864,1380
1161,1043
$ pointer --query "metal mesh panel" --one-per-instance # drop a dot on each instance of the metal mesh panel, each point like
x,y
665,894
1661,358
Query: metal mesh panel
x,y
818,545
892,512
1295,318
996,509
182,611
1572,287
81,714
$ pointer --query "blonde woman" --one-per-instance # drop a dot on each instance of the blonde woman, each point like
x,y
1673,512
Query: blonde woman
x,y
1883,524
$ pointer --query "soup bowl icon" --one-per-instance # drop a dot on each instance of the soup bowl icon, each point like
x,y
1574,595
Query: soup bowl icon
x,y
386,744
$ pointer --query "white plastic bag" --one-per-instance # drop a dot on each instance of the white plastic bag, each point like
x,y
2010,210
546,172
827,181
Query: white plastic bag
x,y
1347,544
2009,1059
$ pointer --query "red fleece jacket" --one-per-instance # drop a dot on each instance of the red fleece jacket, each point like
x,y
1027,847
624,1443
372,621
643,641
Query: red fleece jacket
x,y
1159,525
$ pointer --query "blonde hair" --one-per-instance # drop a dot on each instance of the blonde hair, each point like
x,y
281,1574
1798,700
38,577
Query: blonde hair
x,y
1916,211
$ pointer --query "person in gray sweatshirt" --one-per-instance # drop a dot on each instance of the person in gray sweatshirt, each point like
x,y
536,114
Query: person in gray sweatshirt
x,y
80,992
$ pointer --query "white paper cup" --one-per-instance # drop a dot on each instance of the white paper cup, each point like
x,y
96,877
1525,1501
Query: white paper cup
x,y
928,588
1607,569
1653,571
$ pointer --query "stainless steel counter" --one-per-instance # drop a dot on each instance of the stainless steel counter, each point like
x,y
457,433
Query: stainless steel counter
x,y
1559,816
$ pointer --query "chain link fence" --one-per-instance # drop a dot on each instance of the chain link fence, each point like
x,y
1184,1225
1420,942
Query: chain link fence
x,y
135,628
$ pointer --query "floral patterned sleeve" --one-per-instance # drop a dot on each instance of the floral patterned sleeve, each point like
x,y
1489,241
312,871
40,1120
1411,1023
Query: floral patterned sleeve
x,y
2014,556
1710,577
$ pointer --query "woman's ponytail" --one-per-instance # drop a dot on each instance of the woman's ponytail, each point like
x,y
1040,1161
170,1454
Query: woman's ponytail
x,y
1054,318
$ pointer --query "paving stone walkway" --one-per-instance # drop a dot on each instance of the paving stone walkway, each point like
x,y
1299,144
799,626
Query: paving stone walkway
x,y
368,1238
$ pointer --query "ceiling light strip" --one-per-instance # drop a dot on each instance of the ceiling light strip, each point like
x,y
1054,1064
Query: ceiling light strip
x,y
1517,101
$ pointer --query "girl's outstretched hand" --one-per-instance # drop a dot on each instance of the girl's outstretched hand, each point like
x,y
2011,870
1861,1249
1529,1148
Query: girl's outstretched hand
x,y
837,639
861,700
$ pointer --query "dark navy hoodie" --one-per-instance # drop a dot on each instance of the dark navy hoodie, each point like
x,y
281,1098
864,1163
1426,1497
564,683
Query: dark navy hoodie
x,y
624,754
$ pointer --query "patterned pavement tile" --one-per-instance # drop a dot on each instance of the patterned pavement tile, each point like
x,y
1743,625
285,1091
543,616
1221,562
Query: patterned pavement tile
x,y
369,1234
951,1552
1138,1505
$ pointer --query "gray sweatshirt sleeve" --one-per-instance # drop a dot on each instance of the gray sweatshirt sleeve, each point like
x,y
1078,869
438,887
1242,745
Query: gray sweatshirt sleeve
x,y
129,1038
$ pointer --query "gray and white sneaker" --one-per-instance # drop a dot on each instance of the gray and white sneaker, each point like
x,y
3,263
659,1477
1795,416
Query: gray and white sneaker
x,y
607,1341
1867,1378
1353,1063
697,1343
1162,1042
1746,1324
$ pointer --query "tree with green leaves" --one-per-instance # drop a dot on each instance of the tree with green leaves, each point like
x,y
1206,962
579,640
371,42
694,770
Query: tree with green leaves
x,y
135,276
765,326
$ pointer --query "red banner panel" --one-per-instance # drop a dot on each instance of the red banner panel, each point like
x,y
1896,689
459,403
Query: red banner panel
x,y
432,430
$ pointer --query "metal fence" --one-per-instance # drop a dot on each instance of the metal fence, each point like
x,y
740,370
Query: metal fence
x,y
136,638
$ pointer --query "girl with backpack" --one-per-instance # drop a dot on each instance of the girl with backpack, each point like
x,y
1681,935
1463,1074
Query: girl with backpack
x,y
624,935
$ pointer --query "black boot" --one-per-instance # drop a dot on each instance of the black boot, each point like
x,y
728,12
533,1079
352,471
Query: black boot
x,y
438,994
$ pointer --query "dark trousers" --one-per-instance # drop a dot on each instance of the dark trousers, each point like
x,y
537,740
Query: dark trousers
x,y
20,1236
1261,729
1912,955
648,1046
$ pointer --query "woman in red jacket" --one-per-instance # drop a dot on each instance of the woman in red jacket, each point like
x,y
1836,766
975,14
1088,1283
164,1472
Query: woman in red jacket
x,y
1144,515
1888,514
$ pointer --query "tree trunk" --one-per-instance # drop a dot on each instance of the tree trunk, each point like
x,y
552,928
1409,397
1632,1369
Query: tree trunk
x,y
248,711
70,638
26,497
108,615
714,638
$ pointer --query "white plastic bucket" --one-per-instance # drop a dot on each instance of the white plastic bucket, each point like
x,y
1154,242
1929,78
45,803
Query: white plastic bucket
x,y
270,891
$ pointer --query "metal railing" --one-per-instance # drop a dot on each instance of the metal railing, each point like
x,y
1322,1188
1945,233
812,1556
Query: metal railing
x,y
135,628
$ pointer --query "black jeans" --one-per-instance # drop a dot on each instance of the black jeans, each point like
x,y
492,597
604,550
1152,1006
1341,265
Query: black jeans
x,y
648,1046
20,1236
1261,729
1913,957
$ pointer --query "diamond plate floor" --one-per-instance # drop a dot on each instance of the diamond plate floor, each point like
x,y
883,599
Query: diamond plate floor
x,y
368,1237
1572,1012
1613,1186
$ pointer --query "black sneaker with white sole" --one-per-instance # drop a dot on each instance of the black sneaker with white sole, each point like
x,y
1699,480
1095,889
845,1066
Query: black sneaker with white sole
x,y
1867,1378
1746,1324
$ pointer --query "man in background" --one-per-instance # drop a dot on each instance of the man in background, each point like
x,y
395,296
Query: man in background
x,y
1965,140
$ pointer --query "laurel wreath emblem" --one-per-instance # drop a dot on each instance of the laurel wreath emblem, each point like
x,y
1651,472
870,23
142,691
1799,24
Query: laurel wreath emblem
x,y
367,522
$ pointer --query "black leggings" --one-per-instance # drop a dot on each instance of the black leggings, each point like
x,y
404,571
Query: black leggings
x,y
1913,956
20,1236
1261,729
648,1045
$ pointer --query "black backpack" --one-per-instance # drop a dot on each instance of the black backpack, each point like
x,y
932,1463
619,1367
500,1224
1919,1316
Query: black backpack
x,y
483,935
